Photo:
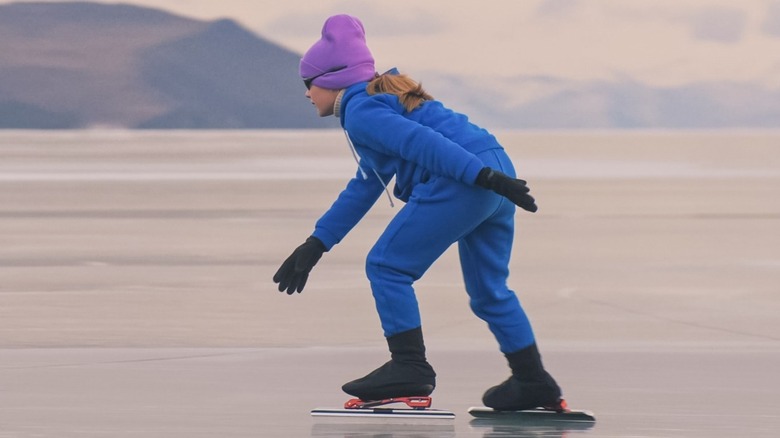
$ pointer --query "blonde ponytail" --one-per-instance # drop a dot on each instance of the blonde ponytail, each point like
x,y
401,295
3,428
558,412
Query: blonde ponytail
x,y
410,93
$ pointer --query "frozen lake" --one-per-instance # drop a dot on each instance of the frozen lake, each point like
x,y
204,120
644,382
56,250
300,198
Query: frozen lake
x,y
136,296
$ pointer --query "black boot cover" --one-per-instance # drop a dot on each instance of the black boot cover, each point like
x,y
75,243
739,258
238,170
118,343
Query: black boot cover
x,y
529,387
407,373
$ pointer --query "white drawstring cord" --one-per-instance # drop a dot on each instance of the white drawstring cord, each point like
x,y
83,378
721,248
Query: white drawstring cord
x,y
355,155
363,172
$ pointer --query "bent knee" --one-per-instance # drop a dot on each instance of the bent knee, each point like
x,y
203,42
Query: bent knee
x,y
496,302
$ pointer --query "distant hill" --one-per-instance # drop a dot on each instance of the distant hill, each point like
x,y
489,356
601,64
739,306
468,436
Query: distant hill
x,y
83,65
79,65
539,102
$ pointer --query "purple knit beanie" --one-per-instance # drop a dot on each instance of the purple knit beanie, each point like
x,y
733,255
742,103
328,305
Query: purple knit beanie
x,y
341,56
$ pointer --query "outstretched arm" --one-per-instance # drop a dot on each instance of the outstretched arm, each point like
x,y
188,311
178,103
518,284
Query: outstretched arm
x,y
351,205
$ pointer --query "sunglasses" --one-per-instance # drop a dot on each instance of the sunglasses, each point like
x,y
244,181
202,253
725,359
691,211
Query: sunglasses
x,y
308,81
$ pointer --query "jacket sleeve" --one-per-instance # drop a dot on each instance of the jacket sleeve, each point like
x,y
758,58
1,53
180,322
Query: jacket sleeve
x,y
375,123
348,209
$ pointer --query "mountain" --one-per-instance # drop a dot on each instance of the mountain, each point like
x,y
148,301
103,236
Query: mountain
x,y
541,102
80,65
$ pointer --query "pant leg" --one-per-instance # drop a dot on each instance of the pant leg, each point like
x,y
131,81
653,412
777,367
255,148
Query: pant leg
x,y
438,214
484,256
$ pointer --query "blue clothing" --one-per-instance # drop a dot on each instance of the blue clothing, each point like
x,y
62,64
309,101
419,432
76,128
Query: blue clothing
x,y
435,155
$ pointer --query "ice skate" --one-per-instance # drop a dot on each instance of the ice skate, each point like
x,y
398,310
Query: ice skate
x,y
407,374
392,380
529,387
517,395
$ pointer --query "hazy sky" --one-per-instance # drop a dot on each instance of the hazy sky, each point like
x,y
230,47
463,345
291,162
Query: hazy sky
x,y
659,42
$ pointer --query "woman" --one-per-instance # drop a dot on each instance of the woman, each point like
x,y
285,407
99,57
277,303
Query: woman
x,y
458,185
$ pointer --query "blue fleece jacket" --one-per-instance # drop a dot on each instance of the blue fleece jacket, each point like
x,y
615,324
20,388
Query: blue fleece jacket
x,y
412,146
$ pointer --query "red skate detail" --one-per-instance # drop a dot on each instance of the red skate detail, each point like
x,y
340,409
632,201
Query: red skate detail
x,y
559,407
412,402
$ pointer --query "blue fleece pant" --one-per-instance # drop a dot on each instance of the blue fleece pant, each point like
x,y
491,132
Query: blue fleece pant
x,y
438,214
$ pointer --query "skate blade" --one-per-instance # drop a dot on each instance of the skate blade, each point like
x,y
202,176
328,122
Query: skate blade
x,y
535,415
383,413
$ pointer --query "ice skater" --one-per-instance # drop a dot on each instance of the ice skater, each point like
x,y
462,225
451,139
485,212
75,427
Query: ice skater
x,y
458,185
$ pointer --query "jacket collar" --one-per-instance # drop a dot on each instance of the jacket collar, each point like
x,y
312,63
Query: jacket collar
x,y
337,104
342,100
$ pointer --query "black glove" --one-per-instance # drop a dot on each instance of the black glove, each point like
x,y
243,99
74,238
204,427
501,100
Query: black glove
x,y
513,189
294,272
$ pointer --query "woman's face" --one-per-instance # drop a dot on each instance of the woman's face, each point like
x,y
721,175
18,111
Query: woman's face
x,y
323,99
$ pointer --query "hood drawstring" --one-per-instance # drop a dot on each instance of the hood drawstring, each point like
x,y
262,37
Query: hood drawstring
x,y
363,172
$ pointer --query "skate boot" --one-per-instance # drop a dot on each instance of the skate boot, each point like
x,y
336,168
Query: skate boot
x,y
529,387
407,373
